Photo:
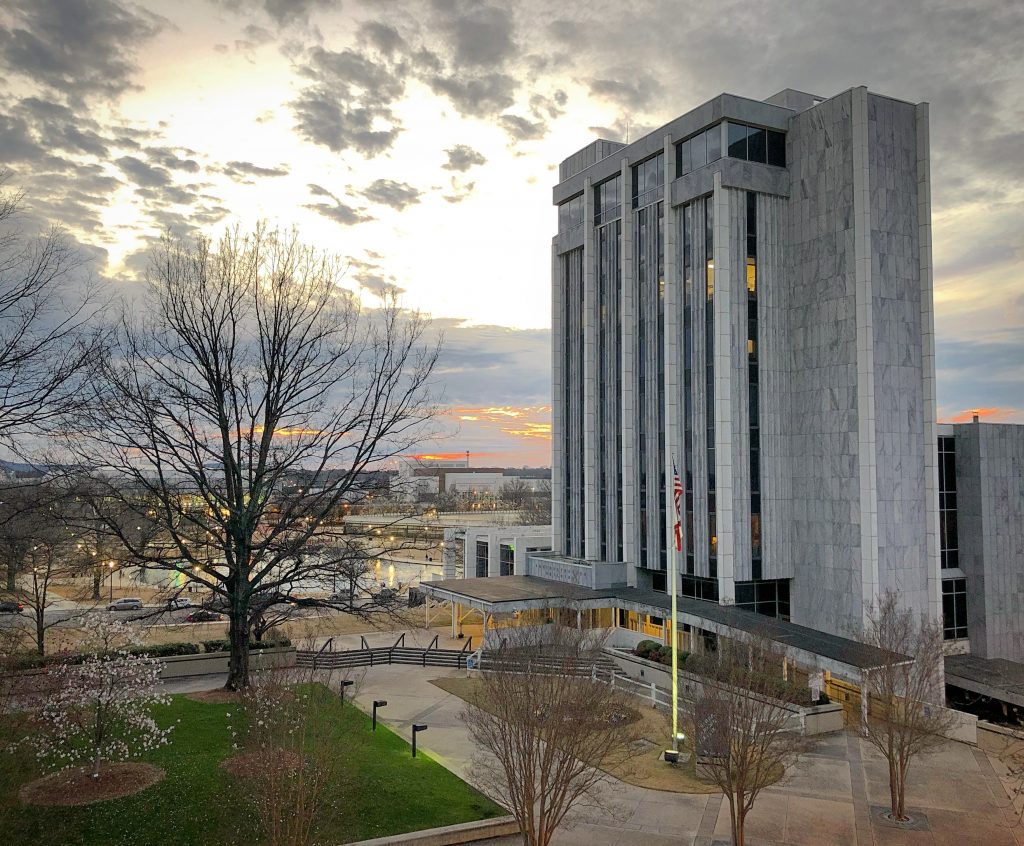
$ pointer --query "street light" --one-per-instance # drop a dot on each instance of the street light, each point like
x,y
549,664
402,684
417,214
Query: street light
x,y
377,703
415,730
110,564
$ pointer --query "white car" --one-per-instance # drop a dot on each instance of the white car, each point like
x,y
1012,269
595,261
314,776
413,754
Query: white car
x,y
178,602
127,603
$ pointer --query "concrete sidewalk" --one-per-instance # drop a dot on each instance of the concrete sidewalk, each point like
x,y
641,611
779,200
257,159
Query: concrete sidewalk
x,y
826,799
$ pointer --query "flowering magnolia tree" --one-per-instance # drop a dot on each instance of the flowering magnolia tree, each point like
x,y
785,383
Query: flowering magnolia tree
x,y
100,707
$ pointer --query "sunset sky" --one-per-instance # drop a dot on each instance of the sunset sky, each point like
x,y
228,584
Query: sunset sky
x,y
421,140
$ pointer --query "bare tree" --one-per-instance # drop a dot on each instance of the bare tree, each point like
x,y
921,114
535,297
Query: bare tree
x,y
294,775
47,336
740,722
905,693
545,729
38,539
250,365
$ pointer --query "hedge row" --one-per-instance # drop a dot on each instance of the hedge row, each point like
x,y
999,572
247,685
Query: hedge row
x,y
658,652
161,650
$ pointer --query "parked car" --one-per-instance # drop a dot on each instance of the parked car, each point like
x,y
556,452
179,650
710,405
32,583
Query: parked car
x,y
178,602
202,615
126,603
217,604
10,607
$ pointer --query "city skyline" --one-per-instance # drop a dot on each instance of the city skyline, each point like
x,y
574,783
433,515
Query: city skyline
x,y
438,126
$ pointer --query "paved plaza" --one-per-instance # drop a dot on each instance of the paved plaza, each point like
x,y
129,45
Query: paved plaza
x,y
827,799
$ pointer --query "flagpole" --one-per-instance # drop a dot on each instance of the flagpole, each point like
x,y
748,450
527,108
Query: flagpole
x,y
673,570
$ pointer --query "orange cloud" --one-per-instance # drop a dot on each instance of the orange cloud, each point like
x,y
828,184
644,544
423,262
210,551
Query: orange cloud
x,y
542,431
993,415
500,413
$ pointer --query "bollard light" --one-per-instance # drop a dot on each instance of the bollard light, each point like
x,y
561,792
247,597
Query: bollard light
x,y
345,683
377,703
415,730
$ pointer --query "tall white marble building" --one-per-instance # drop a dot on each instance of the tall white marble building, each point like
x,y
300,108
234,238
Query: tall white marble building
x,y
745,294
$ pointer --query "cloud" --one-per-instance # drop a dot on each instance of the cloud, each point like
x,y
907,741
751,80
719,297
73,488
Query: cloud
x,y
82,50
480,96
338,211
520,129
239,169
462,157
284,13
460,190
142,173
631,88
480,35
348,106
387,192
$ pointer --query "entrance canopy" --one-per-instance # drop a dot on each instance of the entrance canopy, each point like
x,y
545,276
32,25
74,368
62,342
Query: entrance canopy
x,y
841,656
995,678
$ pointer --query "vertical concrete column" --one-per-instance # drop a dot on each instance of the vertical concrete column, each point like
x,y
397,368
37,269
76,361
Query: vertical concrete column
x,y
558,410
865,354
931,469
591,448
628,459
724,422
673,359
493,554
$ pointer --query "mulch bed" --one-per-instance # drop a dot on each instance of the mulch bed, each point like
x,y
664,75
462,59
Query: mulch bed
x,y
255,762
78,787
214,697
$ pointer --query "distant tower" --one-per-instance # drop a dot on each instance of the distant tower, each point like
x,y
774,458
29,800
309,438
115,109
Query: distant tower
x,y
467,458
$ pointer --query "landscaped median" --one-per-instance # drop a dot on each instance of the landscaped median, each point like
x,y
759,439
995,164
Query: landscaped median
x,y
379,789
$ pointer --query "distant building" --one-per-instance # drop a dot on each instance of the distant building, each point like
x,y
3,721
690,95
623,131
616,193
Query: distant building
x,y
423,479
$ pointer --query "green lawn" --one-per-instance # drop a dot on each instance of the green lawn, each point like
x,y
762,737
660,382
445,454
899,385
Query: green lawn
x,y
382,790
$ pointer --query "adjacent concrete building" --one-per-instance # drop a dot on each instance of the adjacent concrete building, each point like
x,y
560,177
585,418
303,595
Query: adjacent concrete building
x,y
746,295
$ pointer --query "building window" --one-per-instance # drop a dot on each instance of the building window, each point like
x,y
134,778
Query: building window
x,y
698,587
687,241
608,200
948,535
769,597
709,380
570,214
954,608
753,144
482,556
648,181
507,559
752,389
698,150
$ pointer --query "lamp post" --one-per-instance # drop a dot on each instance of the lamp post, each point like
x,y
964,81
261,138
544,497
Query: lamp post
x,y
377,703
416,729
110,564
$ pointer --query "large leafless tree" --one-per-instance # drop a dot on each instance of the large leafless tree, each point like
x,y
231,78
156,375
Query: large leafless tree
x,y
740,722
545,729
249,365
905,693
48,333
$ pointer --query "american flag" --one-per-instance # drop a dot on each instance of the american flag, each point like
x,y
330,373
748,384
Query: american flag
x,y
677,497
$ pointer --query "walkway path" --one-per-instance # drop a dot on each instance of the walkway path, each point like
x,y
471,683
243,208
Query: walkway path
x,y
831,796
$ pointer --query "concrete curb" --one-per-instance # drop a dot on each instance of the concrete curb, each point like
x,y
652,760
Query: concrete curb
x,y
448,835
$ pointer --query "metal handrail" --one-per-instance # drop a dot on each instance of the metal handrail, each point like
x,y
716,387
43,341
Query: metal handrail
x,y
468,645
320,651
433,643
362,642
400,641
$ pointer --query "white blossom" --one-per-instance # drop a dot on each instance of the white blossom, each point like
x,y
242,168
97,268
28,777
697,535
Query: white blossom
x,y
100,709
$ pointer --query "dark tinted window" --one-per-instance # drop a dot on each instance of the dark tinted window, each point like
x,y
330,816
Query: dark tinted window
x,y
698,151
683,165
737,141
757,150
714,138
776,148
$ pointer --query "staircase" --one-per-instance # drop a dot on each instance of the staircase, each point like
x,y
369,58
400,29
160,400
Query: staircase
x,y
398,653
599,665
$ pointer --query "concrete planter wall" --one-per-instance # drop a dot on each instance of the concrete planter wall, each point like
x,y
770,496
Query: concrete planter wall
x,y
214,663
808,720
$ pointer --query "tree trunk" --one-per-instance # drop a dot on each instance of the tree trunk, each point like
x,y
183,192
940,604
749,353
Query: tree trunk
x,y
899,794
12,573
40,631
733,821
97,576
238,635
741,818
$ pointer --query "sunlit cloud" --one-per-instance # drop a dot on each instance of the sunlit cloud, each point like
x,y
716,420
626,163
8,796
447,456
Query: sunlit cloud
x,y
989,415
